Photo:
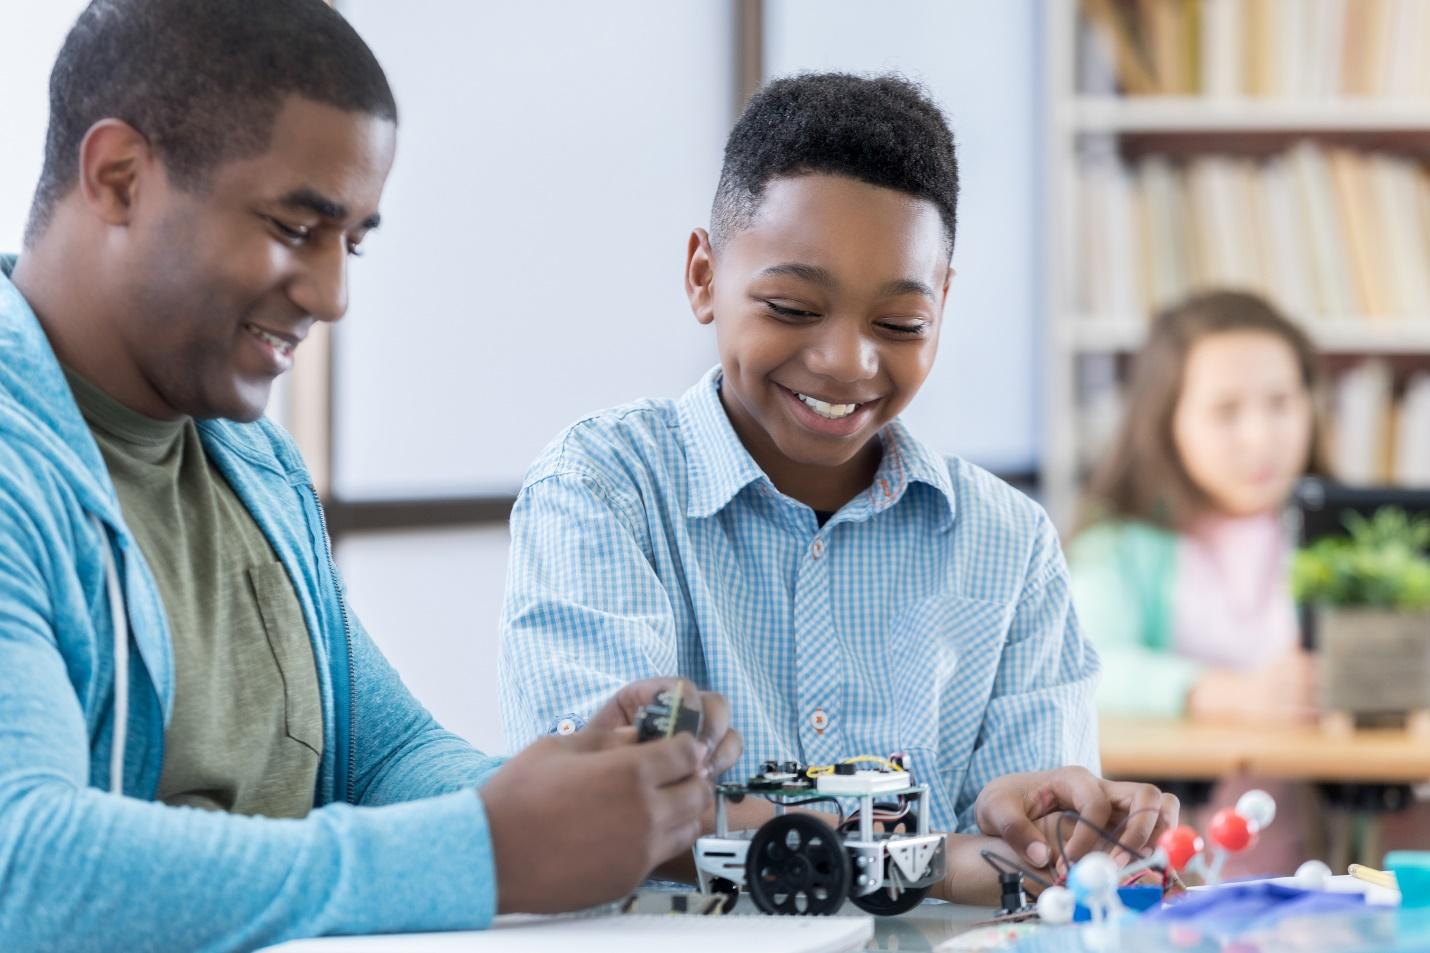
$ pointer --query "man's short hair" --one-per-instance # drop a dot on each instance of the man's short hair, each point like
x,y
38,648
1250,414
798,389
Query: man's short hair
x,y
884,130
202,80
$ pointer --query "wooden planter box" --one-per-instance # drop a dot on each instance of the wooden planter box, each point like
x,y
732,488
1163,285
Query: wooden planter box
x,y
1373,661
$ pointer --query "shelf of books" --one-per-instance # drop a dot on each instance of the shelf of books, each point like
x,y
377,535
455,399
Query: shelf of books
x,y
1276,146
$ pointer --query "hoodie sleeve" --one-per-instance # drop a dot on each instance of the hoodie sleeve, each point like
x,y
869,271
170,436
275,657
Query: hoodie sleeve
x,y
84,869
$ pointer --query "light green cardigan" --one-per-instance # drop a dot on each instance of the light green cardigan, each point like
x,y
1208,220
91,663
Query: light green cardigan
x,y
1123,579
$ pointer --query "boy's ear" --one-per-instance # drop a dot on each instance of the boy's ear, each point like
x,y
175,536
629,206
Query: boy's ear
x,y
112,160
947,280
700,276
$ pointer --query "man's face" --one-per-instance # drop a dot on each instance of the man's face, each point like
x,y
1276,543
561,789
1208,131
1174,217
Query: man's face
x,y
827,312
227,280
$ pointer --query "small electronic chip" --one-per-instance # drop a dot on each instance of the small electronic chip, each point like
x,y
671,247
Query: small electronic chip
x,y
666,716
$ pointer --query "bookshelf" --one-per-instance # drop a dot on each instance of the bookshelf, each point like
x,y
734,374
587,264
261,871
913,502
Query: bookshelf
x,y
1248,136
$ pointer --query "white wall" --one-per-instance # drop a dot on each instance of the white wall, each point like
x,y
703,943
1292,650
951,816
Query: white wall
x,y
552,159
30,37
981,61
431,600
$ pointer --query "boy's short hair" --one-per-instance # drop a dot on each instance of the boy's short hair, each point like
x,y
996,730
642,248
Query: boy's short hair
x,y
883,130
202,80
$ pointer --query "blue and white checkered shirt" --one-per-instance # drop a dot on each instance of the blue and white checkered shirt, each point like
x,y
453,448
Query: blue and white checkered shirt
x,y
930,615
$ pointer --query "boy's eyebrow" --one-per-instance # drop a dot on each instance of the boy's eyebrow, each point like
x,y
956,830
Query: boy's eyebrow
x,y
907,286
819,276
793,269
311,200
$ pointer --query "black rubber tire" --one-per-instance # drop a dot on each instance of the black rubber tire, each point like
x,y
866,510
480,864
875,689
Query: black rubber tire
x,y
797,866
882,904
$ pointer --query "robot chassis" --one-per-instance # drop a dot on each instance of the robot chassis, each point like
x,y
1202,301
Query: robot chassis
x,y
797,864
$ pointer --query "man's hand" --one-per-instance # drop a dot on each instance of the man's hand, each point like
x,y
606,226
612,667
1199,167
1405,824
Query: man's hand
x,y
1022,809
582,819
715,731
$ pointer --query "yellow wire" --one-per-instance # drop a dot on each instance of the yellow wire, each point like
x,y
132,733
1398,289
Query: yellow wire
x,y
816,770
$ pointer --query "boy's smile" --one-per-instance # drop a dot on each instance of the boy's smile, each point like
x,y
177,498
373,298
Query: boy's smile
x,y
827,310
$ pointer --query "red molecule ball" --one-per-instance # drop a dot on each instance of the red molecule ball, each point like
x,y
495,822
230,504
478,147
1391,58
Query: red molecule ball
x,y
1231,831
1180,844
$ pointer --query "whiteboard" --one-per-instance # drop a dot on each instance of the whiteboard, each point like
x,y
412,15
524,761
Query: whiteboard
x,y
552,160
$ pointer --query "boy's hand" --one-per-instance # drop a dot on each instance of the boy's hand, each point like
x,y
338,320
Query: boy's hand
x,y
581,819
715,731
1021,809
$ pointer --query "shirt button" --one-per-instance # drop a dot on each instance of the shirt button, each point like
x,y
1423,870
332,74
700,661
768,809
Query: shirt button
x,y
566,726
816,549
819,720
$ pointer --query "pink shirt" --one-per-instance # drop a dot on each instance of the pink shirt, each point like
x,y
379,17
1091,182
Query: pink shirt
x,y
1232,605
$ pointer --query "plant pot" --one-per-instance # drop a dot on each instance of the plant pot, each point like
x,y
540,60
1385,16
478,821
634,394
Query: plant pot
x,y
1373,661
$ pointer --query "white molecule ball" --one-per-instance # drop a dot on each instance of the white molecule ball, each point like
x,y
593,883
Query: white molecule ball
x,y
1313,875
1258,807
1094,878
1056,905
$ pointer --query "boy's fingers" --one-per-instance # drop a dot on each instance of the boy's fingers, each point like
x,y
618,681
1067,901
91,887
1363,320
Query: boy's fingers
x,y
1005,816
1081,791
1143,805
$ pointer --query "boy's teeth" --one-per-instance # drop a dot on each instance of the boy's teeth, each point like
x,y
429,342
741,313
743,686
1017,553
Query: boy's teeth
x,y
831,411
282,346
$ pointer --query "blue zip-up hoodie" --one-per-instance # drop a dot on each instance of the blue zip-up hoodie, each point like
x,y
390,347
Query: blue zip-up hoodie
x,y
397,839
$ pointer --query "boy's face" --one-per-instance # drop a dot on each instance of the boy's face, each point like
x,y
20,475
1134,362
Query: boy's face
x,y
826,311
228,280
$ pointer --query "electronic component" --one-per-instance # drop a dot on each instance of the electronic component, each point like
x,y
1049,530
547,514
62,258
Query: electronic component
x,y
666,716
882,857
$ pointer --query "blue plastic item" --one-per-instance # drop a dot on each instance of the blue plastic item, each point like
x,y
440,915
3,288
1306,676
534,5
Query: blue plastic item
x,y
1136,899
1412,876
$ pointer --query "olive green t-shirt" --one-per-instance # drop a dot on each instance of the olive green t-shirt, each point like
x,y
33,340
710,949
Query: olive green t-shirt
x,y
247,728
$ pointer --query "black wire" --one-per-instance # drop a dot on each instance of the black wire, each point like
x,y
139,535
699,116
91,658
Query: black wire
x,y
1005,866
1079,819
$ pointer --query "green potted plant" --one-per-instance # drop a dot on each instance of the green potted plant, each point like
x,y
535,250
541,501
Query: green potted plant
x,y
1368,595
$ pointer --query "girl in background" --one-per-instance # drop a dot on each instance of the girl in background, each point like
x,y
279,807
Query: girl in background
x,y
1180,567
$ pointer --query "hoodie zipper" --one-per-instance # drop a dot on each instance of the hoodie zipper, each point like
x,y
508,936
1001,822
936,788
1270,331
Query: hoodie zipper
x,y
348,638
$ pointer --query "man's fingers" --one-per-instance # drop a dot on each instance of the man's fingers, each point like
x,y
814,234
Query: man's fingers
x,y
715,724
726,754
670,760
629,698
679,811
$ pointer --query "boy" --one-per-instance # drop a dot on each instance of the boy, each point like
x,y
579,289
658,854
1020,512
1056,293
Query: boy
x,y
778,535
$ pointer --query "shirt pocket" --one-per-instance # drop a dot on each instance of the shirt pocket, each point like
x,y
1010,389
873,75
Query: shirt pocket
x,y
292,651
943,656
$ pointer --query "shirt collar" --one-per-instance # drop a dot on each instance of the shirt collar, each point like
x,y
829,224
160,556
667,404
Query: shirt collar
x,y
719,466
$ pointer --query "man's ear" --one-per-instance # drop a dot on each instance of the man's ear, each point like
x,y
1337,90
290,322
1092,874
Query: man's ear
x,y
700,276
113,160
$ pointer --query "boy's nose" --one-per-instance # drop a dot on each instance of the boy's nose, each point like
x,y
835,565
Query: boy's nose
x,y
845,353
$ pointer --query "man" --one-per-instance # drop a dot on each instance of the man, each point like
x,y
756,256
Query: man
x,y
200,748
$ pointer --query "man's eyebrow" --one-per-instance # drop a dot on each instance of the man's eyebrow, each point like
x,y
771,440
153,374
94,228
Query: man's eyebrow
x,y
794,269
907,286
312,200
